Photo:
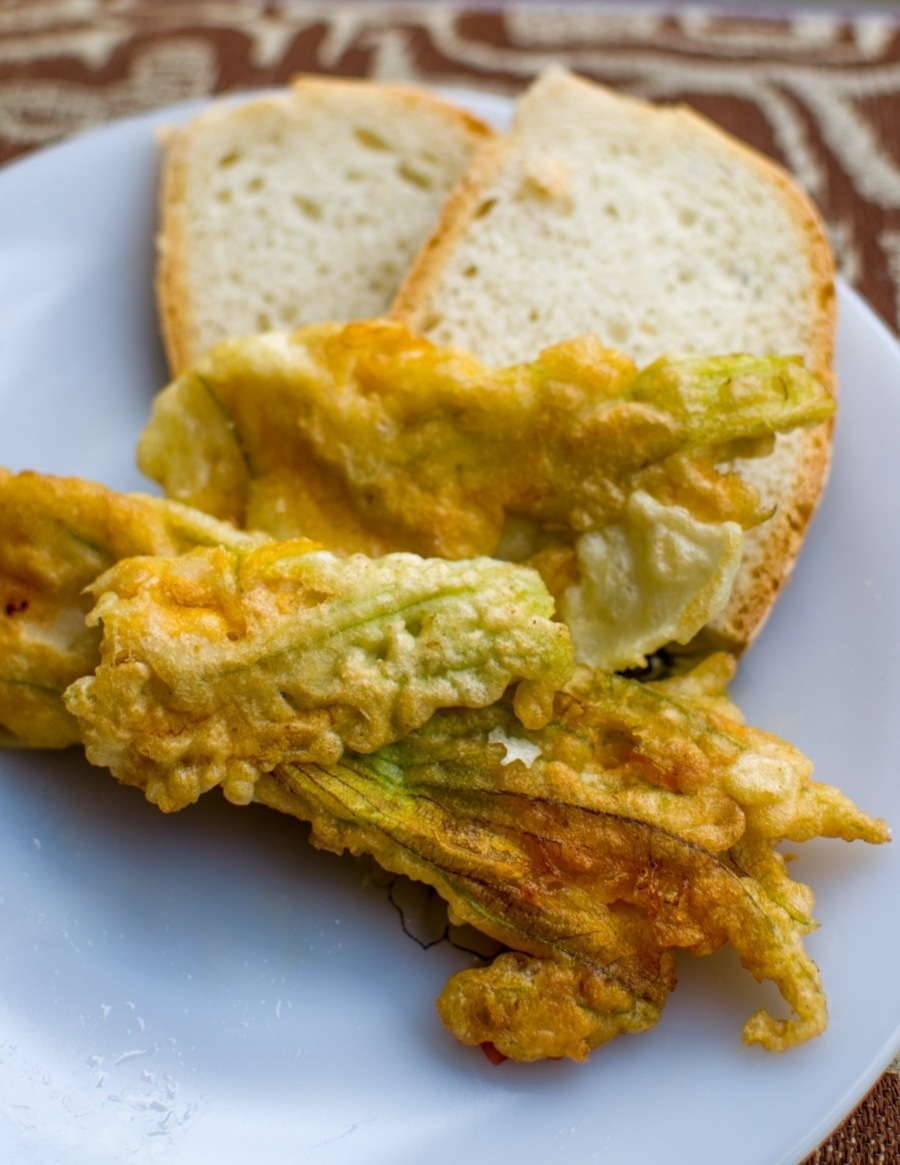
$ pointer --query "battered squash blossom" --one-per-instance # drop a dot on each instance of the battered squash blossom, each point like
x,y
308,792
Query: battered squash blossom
x,y
640,819
610,480
401,682
220,664
56,535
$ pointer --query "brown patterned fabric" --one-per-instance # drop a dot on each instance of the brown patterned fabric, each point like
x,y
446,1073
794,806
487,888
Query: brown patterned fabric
x,y
820,92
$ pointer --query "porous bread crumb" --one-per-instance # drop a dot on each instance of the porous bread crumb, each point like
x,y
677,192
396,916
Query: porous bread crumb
x,y
300,207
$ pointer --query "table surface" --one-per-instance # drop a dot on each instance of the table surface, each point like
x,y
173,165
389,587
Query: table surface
x,y
817,88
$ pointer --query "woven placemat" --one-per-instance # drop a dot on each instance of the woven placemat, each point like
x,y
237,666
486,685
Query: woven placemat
x,y
820,92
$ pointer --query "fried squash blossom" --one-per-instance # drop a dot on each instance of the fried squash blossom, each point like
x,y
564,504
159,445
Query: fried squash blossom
x,y
641,818
56,536
219,664
613,482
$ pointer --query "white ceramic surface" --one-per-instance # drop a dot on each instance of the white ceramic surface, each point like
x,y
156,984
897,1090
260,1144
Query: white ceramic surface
x,y
207,988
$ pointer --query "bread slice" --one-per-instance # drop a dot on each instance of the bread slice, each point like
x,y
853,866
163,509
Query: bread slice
x,y
300,207
655,230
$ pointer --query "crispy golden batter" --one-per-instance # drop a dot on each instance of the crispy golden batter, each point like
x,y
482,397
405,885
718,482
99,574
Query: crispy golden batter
x,y
435,450
426,712
370,439
641,819
56,535
220,664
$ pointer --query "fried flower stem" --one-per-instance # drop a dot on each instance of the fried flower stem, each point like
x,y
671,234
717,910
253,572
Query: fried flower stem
x,y
220,664
56,535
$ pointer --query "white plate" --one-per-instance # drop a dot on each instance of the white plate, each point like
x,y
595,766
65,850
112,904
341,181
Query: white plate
x,y
207,988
